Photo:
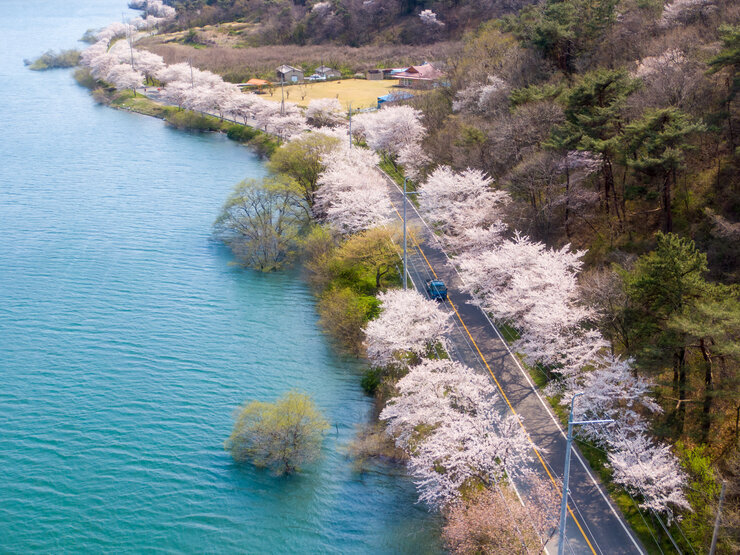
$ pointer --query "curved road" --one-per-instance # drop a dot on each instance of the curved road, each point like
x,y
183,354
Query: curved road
x,y
595,525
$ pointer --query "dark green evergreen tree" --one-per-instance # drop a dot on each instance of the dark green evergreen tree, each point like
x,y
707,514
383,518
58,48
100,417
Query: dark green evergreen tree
x,y
664,284
595,121
655,146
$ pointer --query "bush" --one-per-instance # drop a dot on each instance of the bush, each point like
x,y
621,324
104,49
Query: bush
x,y
54,60
371,380
85,79
241,133
264,145
281,436
343,313
186,119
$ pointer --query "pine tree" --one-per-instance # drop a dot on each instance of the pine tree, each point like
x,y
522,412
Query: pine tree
x,y
594,122
712,327
666,283
655,146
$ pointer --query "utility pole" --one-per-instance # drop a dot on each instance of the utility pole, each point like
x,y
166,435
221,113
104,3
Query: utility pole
x,y
566,474
282,93
350,124
405,269
192,82
405,259
716,520
129,37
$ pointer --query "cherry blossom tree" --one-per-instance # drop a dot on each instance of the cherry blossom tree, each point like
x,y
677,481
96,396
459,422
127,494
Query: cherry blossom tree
x,y
96,49
482,98
324,112
101,64
412,158
523,282
363,207
199,99
392,131
123,77
289,125
567,351
352,194
613,391
176,93
184,72
536,290
114,30
408,323
680,12
428,17
156,8
464,207
444,416
241,105
649,470
175,72
148,63
495,521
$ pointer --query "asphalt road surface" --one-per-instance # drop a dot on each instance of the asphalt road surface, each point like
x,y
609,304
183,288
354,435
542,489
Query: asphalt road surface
x,y
594,524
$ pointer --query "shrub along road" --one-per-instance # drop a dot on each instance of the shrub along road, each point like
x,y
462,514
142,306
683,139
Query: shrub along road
x,y
594,524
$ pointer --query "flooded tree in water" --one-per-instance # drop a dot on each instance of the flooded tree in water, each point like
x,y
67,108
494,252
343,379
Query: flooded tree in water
x,y
261,222
281,436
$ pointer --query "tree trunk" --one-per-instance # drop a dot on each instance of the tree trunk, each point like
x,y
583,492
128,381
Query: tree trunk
x,y
606,172
613,187
379,273
681,390
567,197
667,214
708,392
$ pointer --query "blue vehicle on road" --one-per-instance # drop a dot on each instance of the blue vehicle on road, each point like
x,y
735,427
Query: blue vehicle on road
x,y
436,289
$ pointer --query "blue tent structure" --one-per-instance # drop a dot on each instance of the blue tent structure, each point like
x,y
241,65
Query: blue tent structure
x,y
394,96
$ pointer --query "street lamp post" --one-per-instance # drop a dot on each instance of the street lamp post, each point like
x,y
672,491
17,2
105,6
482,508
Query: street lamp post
x,y
566,473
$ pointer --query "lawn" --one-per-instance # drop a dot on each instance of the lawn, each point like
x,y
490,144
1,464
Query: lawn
x,y
361,92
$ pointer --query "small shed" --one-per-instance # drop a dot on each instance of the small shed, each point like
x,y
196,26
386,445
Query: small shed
x,y
289,74
328,72
375,74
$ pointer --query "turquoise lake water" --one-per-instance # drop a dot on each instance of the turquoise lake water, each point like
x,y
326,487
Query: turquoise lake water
x,y
127,338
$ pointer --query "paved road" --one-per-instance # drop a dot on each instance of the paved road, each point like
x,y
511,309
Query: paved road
x,y
594,523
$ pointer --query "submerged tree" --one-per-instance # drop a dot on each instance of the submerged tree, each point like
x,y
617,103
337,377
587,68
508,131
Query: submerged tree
x,y
261,222
282,436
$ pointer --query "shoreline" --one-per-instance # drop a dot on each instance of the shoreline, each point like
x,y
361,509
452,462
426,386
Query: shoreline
x,y
383,451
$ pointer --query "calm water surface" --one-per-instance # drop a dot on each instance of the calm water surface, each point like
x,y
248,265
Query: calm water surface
x,y
127,339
